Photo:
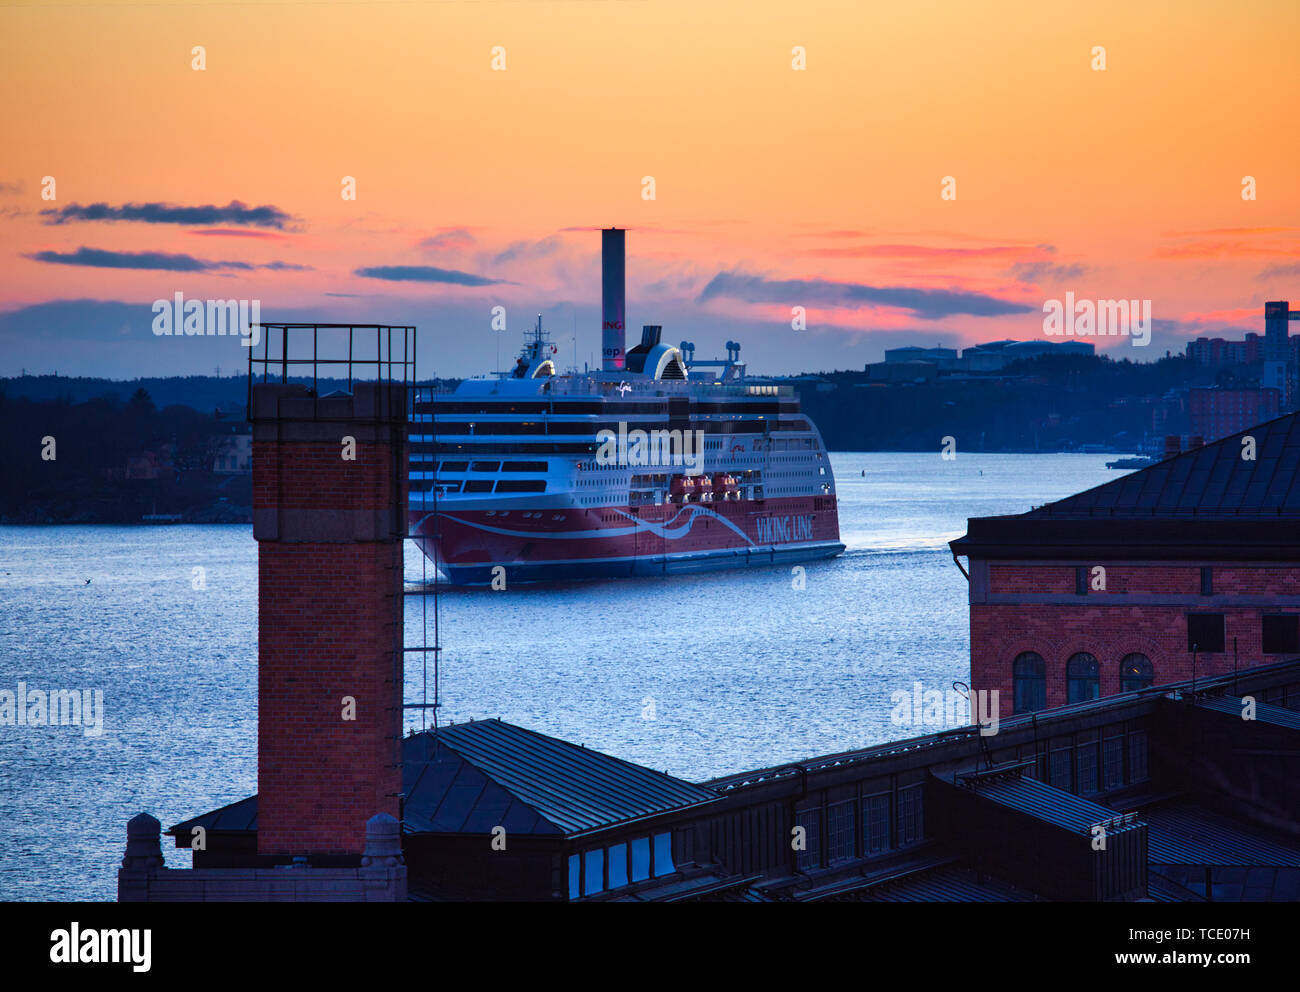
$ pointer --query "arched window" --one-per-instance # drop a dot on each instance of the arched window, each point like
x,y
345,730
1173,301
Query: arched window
x,y
1135,672
1082,678
1029,680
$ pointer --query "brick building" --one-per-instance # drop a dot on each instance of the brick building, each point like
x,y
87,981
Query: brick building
x,y
1216,413
1187,568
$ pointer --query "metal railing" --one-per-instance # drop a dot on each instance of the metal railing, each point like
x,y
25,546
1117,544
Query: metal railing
x,y
382,353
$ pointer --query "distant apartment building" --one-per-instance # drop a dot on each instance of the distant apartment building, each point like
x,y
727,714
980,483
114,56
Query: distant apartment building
x,y
1216,352
1216,413
912,364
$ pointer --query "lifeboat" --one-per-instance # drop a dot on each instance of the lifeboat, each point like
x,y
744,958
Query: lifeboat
x,y
682,488
703,488
725,487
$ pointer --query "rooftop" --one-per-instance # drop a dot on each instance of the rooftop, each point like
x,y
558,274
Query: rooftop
x,y
1211,501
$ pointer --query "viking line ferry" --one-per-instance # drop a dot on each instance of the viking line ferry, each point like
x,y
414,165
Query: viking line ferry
x,y
655,464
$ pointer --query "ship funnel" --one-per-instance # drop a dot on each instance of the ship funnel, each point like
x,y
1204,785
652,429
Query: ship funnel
x,y
612,292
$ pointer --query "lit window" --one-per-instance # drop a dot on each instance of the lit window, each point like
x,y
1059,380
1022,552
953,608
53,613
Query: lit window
x,y
595,874
1135,672
618,866
640,859
664,855
575,876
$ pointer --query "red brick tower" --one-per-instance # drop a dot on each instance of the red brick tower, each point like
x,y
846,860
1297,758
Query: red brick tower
x,y
329,494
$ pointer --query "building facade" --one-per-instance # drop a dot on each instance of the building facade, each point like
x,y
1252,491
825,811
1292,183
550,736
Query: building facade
x,y
1188,568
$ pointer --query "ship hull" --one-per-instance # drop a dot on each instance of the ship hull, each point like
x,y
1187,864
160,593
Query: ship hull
x,y
471,545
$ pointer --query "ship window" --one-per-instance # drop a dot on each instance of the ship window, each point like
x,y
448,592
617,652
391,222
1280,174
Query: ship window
x,y
523,467
485,466
454,466
478,485
521,486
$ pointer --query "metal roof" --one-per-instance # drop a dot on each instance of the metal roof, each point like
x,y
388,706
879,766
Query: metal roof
x,y
1043,802
1213,480
1278,716
947,884
569,788
236,818
1209,500
471,777
1186,833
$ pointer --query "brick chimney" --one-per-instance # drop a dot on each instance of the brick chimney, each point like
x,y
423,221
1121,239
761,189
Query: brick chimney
x,y
330,532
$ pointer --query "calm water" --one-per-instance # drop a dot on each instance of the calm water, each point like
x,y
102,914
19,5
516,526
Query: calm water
x,y
738,670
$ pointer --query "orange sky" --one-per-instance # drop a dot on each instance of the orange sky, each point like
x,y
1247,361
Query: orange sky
x,y
1117,183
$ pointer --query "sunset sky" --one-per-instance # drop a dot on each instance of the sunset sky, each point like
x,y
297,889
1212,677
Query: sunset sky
x,y
774,187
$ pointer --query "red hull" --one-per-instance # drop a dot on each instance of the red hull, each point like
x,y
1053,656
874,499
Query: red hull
x,y
567,542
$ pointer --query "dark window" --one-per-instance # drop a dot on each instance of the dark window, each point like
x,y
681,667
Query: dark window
x,y
454,467
1081,580
1205,632
1135,672
911,826
1112,763
811,855
521,486
1281,633
1060,769
1207,581
1087,760
1082,678
485,466
523,467
1137,756
478,486
1029,681
839,824
875,824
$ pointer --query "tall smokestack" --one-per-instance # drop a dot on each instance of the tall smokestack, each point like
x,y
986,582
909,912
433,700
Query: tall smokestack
x,y
612,292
